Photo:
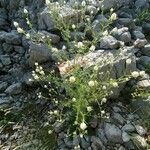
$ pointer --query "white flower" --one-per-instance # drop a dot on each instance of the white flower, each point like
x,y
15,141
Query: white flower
x,y
36,77
135,74
27,36
104,100
96,68
88,19
28,22
92,48
83,126
105,33
73,26
30,80
54,50
79,45
72,79
89,109
91,83
64,47
115,84
83,3
104,87
20,30
47,2
42,72
113,16
36,64
128,61
55,112
15,24
91,12
111,10
50,132
25,11
102,112
73,99
142,73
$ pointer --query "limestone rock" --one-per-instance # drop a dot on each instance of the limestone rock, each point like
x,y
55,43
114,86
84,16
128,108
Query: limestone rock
x,y
14,89
45,20
39,53
113,133
109,42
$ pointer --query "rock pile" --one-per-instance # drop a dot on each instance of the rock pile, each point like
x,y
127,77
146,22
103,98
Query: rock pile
x,y
18,55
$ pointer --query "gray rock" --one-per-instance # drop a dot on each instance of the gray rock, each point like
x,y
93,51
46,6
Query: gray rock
x,y
141,4
109,42
146,50
76,141
108,4
140,130
3,101
127,22
68,142
117,117
14,89
100,133
138,35
58,127
129,145
46,22
19,49
100,20
12,38
125,37
5,59
3,86
128,128
1,65
39,53
7,47
144,60
28,79
2,35
54,38
113,133
3,13
96,143
125,137
116,109
140,43
146,27
13,4
84,143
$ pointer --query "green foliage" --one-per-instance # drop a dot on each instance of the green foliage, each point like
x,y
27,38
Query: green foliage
x,y
143,16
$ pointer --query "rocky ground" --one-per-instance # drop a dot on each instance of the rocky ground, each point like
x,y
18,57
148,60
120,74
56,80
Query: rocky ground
x,y
122,127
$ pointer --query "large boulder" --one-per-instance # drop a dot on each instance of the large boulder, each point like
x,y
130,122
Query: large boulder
x,y
46,20
39,53
105,60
